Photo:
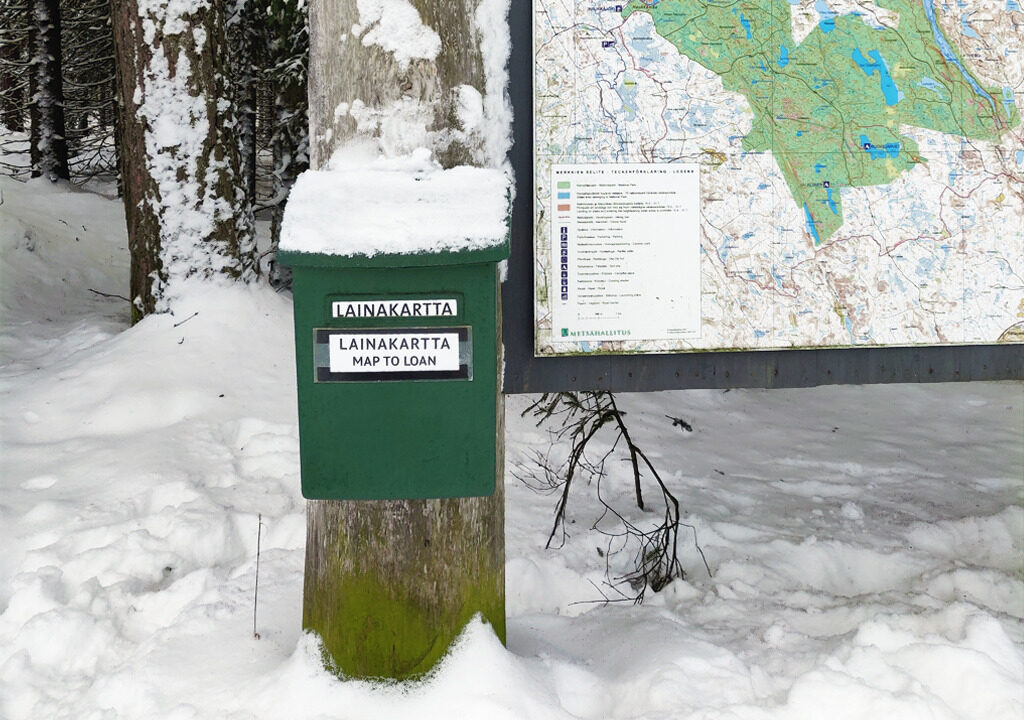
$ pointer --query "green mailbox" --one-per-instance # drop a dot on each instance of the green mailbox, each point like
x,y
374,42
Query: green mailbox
x,y
397,364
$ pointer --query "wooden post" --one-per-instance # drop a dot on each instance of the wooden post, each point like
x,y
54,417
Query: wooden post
x,y
389,584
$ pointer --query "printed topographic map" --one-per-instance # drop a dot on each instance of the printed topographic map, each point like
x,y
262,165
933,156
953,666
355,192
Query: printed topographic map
x,y
861,163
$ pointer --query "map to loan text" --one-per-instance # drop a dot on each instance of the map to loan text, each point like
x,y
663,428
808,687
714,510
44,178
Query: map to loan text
x,y
862,163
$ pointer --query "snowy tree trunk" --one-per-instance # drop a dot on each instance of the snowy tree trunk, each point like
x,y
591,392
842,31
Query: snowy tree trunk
x,y
186,209
241,34
405,99
284,105
49,149
389,584
13,35
87,44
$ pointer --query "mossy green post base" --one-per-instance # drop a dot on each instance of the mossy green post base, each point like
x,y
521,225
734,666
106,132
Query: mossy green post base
x,y
390,584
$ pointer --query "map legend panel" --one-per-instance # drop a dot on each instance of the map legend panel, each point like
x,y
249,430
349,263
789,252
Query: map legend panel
x,y
627,252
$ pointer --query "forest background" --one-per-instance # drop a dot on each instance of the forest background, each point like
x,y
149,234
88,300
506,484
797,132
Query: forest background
x,y
222,83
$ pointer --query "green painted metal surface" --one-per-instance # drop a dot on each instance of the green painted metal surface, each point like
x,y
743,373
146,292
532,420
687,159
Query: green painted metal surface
x,y
397,435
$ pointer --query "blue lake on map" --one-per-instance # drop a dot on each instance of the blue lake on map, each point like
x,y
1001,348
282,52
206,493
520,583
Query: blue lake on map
x,y
891,149
647,49
627,92
783,56
949,55
811,225
746,25
965,26
827,15
928,83
889,90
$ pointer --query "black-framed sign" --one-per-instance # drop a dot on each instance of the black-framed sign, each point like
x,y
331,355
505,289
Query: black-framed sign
x,y
392,353
604,191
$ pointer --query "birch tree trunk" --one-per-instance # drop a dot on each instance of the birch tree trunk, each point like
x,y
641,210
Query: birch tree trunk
x,y
186,210
389,584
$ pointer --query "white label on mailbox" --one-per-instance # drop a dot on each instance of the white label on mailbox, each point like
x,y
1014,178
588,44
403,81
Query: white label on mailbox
x,y
416,308
419,351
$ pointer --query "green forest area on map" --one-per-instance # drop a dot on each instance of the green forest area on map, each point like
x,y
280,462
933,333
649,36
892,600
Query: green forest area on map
x,y
830,108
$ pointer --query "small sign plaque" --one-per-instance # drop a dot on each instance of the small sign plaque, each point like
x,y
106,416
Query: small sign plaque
x,y
367,355
389,308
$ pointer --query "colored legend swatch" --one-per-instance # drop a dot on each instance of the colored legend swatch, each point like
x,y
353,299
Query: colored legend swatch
x,y
563,194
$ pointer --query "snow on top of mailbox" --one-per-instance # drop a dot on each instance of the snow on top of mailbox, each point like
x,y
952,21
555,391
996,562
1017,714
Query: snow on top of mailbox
x,y
396,206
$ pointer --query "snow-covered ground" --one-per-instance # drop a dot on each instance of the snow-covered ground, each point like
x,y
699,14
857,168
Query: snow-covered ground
x,y
865,542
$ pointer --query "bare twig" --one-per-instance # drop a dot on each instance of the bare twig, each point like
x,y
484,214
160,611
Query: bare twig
x,y
632,452
179,324
680,423
575,458
256,590
109,295
581,416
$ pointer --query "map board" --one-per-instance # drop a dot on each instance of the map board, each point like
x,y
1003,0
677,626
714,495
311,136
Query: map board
x,y
823,174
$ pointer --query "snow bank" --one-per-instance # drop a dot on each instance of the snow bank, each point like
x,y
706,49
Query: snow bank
x,y
404,205
59,250
864,542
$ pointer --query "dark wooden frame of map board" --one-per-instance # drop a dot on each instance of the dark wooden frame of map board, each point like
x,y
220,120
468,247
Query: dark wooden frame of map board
x,y
525,373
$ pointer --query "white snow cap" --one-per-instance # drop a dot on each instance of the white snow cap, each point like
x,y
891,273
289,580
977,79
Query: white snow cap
x,y
396,205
